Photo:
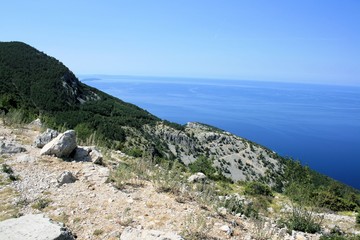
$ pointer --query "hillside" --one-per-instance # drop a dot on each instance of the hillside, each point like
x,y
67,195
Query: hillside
x,y
41,85
33,84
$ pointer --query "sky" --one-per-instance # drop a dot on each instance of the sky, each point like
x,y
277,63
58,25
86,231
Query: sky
x,y
315,41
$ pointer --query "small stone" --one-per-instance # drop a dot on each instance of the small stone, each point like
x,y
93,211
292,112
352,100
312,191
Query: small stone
x,y
227,229
222,210
66,177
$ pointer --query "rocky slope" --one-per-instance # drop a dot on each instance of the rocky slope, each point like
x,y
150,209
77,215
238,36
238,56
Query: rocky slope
x,y
237,158
93,208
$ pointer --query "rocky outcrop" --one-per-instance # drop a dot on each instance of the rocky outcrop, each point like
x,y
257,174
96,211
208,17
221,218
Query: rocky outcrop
x,y
33,227
45,137
61,146
66,177
137,234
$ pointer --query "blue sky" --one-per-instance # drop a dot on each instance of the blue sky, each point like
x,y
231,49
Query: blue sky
x,y
299,40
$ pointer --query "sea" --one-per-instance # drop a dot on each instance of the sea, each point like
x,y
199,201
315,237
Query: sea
x,y
319,125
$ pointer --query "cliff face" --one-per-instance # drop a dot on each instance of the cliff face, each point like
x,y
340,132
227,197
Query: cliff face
x,y
235,157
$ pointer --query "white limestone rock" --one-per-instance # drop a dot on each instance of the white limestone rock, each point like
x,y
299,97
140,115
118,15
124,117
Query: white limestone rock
x,y
197,177
33,227
61,146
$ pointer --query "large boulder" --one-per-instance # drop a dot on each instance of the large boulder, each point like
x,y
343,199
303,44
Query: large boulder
x,y
33,227
45,137
130,233
61,146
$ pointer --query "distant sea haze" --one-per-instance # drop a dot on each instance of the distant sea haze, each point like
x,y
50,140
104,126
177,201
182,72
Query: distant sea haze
x,y
316,124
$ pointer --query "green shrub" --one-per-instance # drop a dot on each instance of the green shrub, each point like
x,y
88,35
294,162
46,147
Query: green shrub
x,y
98,232
358,217
13,177
7,169
257,188
135,152
205,165
235,205
329,200
302,220
333,236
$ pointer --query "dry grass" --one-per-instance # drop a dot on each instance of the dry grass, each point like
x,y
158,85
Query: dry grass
x,y
63,218
7,208
197,226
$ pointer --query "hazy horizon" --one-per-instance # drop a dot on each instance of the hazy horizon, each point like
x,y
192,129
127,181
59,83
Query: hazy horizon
x,y
169,79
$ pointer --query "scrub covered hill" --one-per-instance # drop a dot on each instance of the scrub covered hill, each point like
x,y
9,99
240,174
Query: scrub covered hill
x,y
33,84
41,85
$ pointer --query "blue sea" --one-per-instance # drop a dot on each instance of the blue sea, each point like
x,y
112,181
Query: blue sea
x,y
316,124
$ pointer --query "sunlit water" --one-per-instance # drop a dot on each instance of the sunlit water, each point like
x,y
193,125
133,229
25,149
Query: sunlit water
x,y
316,124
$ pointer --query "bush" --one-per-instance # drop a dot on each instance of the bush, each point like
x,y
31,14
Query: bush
x,y
135,152
235,205
257,188
329,200
204,165
7,169
302,220
358,217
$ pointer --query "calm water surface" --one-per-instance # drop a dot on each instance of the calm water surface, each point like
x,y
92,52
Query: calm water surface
x,y
316,124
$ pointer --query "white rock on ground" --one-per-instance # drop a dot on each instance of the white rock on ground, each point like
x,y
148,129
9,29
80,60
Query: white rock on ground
x,y
44,138
33,227
61,146
130,233
37,122
227,229
197,177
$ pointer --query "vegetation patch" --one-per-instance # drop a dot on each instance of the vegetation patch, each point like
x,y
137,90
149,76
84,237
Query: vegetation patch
x,y
98,232
205,165
6,169
257,188
41,203
7,208
302,220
